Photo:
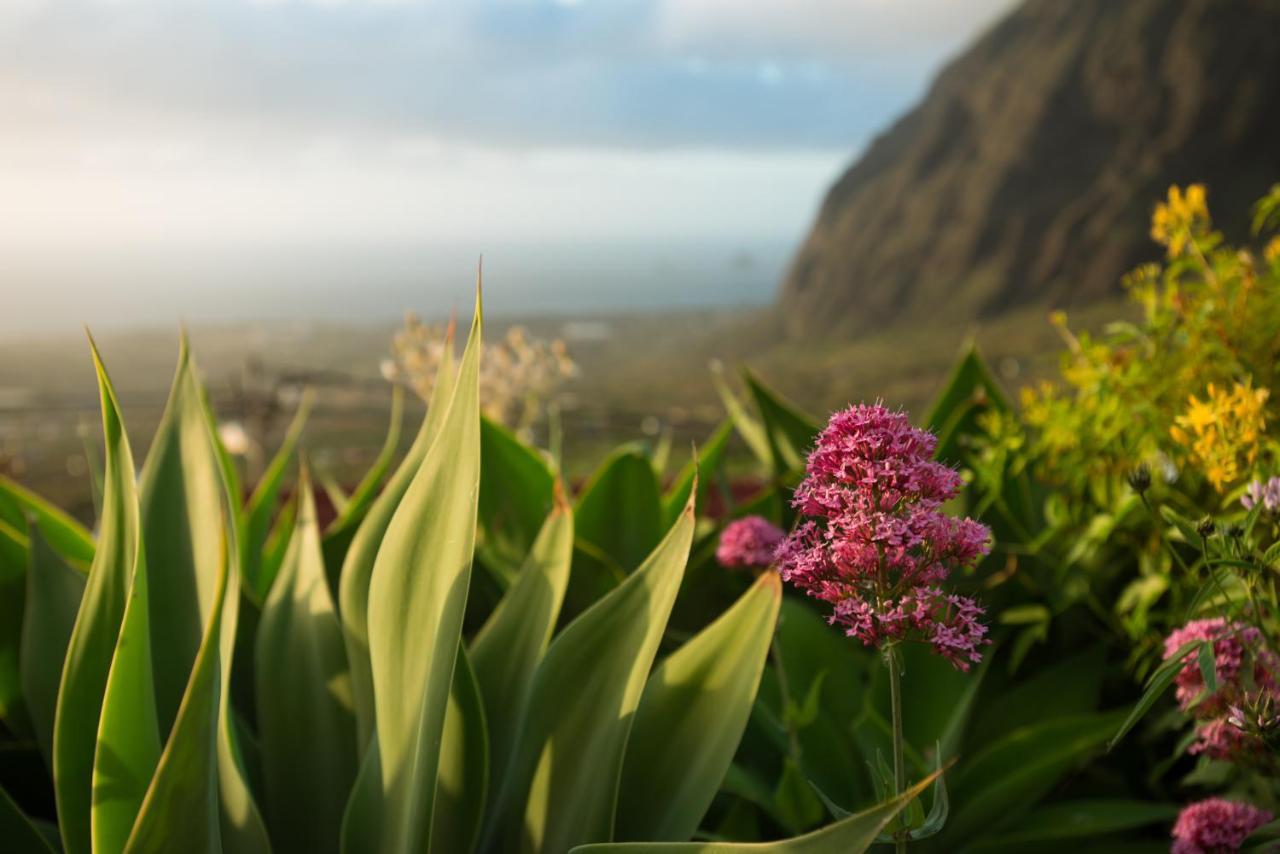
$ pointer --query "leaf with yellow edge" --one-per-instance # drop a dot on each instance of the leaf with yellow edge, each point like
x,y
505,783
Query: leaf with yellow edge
x,y
852,835
357,566
305,721
692,716
416,599
93,639
563,785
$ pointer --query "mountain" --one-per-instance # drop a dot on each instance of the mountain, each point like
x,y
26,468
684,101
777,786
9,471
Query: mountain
x,y
1028,173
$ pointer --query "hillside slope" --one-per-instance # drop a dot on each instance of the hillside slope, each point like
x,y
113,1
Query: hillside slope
x,y
1028,172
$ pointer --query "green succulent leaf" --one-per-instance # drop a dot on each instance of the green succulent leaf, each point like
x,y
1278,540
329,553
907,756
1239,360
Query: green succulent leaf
x,y
700,469
19,834
352,511
506,651
463,782
516,491
255,523
71,540
748,427
416,599
691,717
54,591
852,835
790,433
93,638
306,723
182,801
357,566
182,519
129,744
563,785
1009,777
1077,820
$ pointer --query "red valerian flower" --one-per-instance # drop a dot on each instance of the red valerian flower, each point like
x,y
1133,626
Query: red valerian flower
x,y
1216,825
876,544
749,543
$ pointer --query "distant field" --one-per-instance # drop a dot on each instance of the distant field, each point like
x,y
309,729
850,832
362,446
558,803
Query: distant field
x,y
643,375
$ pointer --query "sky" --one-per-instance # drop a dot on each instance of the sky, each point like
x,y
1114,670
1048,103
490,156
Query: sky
x,y
173,146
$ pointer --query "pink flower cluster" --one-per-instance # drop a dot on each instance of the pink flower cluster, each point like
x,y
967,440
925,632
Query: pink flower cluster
x,y
1234,645
749,543
877,544
1216,825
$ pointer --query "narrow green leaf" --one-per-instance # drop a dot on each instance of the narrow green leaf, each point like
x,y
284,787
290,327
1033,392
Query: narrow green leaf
x,y
701,468
14,557
1078,820
357,567
128,745
93,639
968,391
790,433
463,781
416,599
19,834
54,591
68,537
852,835
338,536
506,651
182,802
691,717
619,510
306,723
182,519
261,508
516,487
750,429
1159,682
1011,775
563,785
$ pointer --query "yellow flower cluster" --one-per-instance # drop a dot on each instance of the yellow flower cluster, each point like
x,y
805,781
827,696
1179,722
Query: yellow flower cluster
x,y
1223,429
1177,221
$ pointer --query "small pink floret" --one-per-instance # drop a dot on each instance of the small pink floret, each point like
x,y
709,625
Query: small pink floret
x,y
749,543
1216,825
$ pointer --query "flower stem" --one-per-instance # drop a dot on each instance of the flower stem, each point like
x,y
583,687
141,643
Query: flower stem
x,y
899,767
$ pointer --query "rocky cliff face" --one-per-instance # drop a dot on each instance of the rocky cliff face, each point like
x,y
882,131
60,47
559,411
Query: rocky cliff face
x,y
1028,172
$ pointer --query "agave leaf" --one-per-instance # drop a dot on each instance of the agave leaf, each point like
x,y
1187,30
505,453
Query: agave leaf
x,y
789,432
277,544
691,718
852,835
416,599
1007,778
362,819
748,427
92,644
563,785
19,834
516,487
463,781
68,537
182,526
261,508
701,469
1077,820
305,720
506,651
620,511
338,536
14,557
182,800
357,567
54,591
969,390
128,745
618,521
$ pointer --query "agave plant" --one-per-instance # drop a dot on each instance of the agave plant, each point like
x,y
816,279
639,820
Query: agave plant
x,y
206,674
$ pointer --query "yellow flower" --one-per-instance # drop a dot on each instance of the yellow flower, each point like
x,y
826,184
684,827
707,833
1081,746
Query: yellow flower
x,y
1272,250
1223,429
1177,221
